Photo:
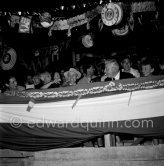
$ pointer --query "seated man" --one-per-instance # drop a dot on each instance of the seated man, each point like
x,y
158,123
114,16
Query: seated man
x,y
113,72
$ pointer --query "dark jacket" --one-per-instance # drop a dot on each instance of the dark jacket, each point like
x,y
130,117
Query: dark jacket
x,y
123,75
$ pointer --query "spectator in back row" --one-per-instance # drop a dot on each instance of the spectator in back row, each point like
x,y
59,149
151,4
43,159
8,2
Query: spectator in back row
x,y
147,68
89,75
127,67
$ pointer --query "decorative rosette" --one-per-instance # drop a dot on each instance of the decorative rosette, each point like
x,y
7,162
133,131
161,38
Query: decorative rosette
x,y
87,41
121,31
111,14
8,59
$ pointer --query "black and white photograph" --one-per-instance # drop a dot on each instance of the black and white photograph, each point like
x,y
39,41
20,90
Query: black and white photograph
x,y
82,83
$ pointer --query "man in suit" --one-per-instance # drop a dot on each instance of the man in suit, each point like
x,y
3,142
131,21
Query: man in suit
x,y
113,72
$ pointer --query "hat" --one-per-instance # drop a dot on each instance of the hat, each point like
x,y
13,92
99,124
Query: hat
x,y
72,71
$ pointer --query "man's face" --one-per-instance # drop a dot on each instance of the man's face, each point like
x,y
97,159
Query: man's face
x,y
111,69
126,64
147,70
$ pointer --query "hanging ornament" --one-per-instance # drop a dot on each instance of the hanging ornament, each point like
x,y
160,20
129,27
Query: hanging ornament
x,y
37,53
50,33
69,32
121,31
100,24
87,41
120,13
110,14
8,59
55,52
45,20
88,25
131,22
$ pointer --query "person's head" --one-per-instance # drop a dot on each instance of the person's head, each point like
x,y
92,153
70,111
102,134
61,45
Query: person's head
x,y
111,68
161,64
89,69
12,83
36,79
147,68
126,64
45,77
56,76
29,79
72,76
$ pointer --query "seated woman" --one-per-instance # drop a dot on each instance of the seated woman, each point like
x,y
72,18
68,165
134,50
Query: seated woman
x,y
37,81
12,86
89,75
72,75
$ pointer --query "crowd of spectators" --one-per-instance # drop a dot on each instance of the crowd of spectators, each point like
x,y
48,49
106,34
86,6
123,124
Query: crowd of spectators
x,y
88,71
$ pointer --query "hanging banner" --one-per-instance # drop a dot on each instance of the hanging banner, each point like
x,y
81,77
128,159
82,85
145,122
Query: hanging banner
x,y
24,25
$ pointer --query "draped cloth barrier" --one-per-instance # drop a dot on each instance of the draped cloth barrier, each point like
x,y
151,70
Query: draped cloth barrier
x,y
52,123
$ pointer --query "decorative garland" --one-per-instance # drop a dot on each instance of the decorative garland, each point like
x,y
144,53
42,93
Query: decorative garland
x,y
110,87
64,24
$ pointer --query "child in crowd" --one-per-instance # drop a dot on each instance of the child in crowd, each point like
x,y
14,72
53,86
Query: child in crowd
x,y
147,68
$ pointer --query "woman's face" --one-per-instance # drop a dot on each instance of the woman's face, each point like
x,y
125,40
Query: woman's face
x,y
56,76
12,83
72,78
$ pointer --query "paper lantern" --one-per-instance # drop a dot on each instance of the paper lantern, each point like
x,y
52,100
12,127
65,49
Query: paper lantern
x,y
8,59
110,14
45,20
87,41
121,31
